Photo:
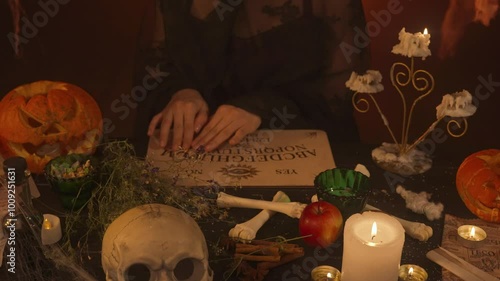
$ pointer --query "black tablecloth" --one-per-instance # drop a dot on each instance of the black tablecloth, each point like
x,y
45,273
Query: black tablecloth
x,y
439,180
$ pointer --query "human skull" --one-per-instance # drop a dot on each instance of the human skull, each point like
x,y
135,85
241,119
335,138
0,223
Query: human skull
x,y
155,242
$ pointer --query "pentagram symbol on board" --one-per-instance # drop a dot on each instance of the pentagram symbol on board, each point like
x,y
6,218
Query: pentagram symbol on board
x,y
239,171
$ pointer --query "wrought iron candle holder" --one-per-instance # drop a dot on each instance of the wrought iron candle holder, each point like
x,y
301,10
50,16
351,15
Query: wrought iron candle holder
x,y
403,156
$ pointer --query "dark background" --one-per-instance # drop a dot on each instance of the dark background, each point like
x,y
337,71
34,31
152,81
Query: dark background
x,y
93,44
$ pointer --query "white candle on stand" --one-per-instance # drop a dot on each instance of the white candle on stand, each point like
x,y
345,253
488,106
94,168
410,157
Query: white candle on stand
x,y
373,244
413,45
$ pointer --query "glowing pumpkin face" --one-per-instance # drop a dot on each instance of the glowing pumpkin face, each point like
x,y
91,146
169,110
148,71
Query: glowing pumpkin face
x,y
478,184
45,119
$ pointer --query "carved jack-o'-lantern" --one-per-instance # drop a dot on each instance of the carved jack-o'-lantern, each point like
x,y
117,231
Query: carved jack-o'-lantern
x,y
478,184
45,119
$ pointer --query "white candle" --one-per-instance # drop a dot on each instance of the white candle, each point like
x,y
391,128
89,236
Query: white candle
x,y
423,46
373,244
413,45
51,229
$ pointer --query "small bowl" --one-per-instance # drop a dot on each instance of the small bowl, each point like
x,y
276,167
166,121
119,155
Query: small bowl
x,y
347,189
74,192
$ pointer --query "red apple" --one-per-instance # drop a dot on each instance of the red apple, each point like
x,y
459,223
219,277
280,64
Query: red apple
x,y
323,222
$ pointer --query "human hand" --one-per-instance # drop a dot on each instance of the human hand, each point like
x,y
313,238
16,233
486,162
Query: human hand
x,y
186,113
228,123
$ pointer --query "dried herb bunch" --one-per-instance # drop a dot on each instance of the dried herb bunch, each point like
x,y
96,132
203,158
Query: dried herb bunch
x,y
127,181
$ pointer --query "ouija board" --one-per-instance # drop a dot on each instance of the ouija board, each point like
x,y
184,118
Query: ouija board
x,y
266,158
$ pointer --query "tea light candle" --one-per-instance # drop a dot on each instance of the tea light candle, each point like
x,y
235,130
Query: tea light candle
x,y
471,236
412,272
373,244
51,229
325,273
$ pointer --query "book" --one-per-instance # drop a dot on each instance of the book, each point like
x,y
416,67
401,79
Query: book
x,y
265,158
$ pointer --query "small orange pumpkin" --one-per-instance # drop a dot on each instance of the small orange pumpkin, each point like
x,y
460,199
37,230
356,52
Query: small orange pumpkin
x,y
45,119
478,184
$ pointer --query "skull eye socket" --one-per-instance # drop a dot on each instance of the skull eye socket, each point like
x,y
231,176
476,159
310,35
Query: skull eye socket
x,y
189,269
138,272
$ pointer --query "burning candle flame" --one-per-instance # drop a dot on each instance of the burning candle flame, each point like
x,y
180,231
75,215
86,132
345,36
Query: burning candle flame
x,y
374,230
472,232
425,31
329,276
410,271
47,224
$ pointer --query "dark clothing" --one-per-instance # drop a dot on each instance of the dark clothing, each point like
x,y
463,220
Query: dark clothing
x,y
277,59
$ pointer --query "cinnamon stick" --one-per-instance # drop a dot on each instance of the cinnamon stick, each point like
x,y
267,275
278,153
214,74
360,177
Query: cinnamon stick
x,y
244,257
266,242
284,259
285,248
292,250
256,249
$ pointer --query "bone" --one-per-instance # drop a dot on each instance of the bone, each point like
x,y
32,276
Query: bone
x,y
291,209
362,169
416,230
419,203
248,230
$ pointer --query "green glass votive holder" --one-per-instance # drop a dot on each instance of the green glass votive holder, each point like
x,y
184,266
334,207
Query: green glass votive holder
x,y
73,177
347,189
